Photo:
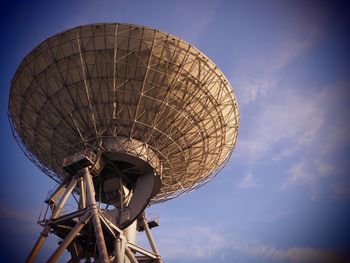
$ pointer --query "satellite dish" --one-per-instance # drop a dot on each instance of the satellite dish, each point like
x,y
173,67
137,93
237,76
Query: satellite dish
x,y
124,115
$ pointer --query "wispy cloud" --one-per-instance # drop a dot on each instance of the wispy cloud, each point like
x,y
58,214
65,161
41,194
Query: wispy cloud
x,y
300,174
196,243
281,111
282,121
248,181
336,104
293,254
324,169
203,242
292,126
260,75
251,90
288,116
324,138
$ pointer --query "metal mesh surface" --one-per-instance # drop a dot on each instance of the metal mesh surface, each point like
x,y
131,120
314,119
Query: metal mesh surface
x,y
97,82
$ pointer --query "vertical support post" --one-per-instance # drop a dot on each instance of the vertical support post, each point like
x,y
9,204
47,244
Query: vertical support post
x,y
82,201
58,192
38,244
130,255
150,237
55,213
130,232
119,249
91,202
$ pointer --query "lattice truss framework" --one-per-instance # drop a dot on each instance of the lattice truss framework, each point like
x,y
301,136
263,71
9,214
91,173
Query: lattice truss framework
x,y
94,82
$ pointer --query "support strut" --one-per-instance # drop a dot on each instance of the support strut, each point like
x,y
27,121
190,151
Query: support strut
x,y
91,202
72,234
55,213
150,238
71,227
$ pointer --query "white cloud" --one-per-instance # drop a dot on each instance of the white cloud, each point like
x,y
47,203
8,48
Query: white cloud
x,y
294,254
195,243
258,76
286,124
253,89
286,152
309,129
276,216
322,139
324,169
336,103
284,112
287,116
310,174
202,242
300,174
248,181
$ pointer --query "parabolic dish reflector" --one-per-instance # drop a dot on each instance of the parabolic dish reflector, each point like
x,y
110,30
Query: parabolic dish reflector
x,y
122,87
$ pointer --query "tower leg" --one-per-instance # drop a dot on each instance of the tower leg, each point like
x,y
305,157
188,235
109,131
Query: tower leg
x,y
119,249
38,244
55,213
130,255
72,234
150,238
82,201
91,202
130,232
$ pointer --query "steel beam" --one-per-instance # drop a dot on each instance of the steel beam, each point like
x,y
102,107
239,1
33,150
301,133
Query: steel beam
x,y
142,251
130,255
91,202
119,249
82,201
38,244
55,213
69,238
150,238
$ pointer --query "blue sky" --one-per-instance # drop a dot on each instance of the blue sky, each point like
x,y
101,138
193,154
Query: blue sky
x,y
284,195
